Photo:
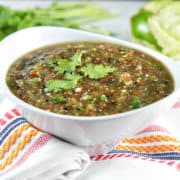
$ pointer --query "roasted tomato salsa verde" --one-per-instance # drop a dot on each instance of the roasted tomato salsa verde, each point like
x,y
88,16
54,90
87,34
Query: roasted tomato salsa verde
x,y
89,78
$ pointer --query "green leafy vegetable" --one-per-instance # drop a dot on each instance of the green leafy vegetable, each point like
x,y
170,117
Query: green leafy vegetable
x,y
156,25
56,85
165,27
73,76
58,99
76,58
97,71
35,80
70,14
155,6
140,29
66,65
53,85
68,83
98,30
136,102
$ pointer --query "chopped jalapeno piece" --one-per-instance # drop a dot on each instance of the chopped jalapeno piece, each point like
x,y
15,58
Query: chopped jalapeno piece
x,y
136,102
103,98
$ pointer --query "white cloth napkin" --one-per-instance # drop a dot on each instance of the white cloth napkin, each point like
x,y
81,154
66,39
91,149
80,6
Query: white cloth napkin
x,y
42,157
128,166
53,159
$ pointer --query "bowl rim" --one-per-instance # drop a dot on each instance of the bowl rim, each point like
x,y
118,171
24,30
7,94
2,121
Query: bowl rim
x,y
148,51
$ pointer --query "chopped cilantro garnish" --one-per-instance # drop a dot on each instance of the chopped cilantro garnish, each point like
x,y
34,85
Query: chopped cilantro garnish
x,y
69,82
53,85
51,63
79,108
103,98
58,99
59,85
88,59
97,71
136,102
66,65
72,76
35,80
76,58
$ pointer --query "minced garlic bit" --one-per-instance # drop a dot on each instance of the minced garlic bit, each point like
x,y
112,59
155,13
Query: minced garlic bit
x,y
139,67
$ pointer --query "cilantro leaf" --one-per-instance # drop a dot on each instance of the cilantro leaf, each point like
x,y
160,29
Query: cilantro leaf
x,y
35,80
56,85
67,84
76,58
70,81
51,63
52,85
66,65
97,71
58,99
72,76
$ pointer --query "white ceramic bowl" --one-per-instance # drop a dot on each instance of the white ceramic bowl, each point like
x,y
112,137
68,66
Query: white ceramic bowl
x,y
84,131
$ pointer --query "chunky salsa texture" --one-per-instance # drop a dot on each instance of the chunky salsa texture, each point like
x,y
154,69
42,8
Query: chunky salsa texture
x,y
89,78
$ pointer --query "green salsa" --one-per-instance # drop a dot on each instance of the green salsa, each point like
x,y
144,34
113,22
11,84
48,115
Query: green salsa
x,y
89,78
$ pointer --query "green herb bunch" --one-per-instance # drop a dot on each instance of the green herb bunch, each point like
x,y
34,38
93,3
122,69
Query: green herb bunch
x,y
71,14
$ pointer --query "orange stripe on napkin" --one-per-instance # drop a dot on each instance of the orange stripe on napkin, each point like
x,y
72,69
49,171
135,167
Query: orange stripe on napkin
x,y
150,139
150,149
27,138
12,139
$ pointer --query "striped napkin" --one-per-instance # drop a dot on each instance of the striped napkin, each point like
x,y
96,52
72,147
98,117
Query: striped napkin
x,y
152,153
27,153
